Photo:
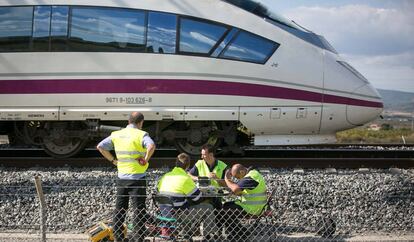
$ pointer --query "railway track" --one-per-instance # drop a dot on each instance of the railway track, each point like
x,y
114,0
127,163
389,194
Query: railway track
x,y
338,156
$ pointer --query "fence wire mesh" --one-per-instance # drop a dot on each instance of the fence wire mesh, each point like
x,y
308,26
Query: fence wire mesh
x,y
314,206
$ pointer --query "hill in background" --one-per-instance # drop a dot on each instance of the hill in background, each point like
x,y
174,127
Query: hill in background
x,y
397,101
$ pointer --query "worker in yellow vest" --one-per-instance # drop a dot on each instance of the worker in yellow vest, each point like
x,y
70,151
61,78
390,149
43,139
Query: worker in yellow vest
x,y
178,185
251,187
185,200
133,148
212,168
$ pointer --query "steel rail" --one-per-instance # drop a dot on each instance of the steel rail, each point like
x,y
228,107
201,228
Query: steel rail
x,y
269,162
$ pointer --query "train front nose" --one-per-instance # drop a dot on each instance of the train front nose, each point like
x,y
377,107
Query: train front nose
x,y
367,107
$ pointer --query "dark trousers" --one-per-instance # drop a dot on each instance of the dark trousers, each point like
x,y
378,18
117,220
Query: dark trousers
x,y
136,190
217,202
229,217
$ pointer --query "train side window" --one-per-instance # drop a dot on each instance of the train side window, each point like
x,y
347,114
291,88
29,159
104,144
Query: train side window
x,y
59,31
225,42
161,32
41,28
15,28
198,37
249,47
107,29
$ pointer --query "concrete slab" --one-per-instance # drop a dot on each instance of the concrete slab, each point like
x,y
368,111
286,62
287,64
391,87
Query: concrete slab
x,y
4,139
395,171
298,171
331,170
264,171
363,170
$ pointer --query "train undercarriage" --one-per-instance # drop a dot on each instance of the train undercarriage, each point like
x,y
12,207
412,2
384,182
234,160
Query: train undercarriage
x,y
63,139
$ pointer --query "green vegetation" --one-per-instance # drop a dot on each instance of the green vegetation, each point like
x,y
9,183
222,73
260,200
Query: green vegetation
x,y
385,135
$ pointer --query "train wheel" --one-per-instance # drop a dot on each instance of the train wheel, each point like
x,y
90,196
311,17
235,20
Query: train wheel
x,y
27,133
59,144
191,136
64,148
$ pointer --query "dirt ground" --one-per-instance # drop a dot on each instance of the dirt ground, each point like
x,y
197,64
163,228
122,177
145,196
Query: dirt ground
x,y
12,237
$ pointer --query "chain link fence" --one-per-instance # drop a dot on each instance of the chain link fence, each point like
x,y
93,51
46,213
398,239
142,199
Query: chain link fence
x,y
315,206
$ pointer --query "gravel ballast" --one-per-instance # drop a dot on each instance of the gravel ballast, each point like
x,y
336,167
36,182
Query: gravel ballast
x,y
378,201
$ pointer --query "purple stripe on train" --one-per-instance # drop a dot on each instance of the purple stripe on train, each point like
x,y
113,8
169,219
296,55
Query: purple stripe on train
x,y
171,86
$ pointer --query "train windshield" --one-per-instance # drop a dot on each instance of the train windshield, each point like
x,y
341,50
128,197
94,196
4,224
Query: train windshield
x,y
290,26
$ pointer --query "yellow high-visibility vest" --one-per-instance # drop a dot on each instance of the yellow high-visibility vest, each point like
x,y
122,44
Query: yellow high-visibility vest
x,y
204,170
253,200
177,183
128,148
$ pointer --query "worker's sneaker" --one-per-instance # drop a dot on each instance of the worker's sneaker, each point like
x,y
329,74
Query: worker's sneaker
x,y
212,238
166,232
121,240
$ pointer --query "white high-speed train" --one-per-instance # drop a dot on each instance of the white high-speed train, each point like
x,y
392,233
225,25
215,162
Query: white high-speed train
x,y
200,71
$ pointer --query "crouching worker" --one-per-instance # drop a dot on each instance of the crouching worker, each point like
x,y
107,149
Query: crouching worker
x,y
251,188
185,200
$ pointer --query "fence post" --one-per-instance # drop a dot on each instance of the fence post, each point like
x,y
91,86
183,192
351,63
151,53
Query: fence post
x,y
41,196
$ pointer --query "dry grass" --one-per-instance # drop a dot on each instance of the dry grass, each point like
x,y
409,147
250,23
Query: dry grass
x,y
362,135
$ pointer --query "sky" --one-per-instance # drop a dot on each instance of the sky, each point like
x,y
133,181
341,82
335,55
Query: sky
x,y
374,36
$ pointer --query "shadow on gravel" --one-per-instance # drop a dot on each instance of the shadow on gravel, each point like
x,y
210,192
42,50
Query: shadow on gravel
x,y
403,193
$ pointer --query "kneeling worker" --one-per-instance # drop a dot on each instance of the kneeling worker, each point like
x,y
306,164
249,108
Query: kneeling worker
x,y
184,195
251,188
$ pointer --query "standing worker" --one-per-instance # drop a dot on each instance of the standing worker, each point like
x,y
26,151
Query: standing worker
x,y
212,168
251,187
133,148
